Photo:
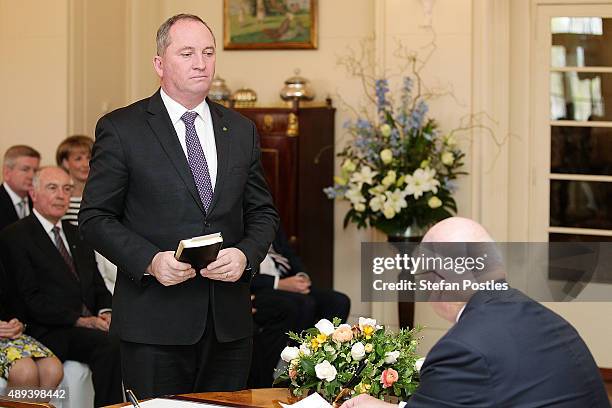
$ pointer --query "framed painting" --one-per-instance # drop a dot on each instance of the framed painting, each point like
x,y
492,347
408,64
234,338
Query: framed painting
x,y
269,24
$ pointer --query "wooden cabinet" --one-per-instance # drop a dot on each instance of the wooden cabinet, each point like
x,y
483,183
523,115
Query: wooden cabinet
x,y
297,153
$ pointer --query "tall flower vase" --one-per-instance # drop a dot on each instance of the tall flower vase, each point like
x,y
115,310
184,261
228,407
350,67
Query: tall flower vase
x,y
413,233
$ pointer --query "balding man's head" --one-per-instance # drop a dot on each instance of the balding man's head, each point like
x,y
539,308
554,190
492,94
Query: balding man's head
x,y
458,238
457,229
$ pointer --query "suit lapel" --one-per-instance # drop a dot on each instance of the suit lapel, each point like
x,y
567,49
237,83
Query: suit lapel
x,y
164,131
7,204
222,141
43,241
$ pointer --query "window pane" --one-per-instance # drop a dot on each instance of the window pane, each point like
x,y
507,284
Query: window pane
x,y
581,41
577,238
584,96
581,204
581,150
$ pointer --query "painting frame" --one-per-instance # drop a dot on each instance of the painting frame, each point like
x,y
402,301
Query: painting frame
x,y
311,42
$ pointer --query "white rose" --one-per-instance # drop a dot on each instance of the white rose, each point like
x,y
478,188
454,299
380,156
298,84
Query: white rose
x,y
290,353
419,363
363,321
326,371
448,158
304,349
358,351
360,207
391,357
325,326
386,156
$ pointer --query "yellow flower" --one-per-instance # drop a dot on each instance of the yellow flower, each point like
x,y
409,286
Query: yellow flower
x,y
321,338
341,181
348,166
314,344
389,178
386,156
369,347
434,202
368,331
385,130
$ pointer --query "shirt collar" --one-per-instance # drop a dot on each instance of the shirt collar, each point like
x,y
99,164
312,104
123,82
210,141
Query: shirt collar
x,y
176,110
14,196
460,313
47,225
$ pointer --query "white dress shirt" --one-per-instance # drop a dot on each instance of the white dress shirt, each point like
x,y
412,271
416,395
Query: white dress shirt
x,y
48,226
204,128
17,201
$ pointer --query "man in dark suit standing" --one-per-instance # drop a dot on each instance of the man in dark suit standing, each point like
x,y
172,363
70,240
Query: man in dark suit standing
x,y
166,168
18,167
66,304
505,349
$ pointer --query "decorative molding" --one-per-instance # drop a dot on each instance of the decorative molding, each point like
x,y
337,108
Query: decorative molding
x,y
491,95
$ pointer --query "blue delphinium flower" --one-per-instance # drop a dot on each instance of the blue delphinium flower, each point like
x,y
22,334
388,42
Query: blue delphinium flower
x,y
417,116
382,88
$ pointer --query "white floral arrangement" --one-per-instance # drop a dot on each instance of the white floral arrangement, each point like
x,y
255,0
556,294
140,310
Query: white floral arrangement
x,y
366,357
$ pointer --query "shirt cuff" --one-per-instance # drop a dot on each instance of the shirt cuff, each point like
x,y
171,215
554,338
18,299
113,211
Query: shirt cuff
x,y
402,404
104,311
276,279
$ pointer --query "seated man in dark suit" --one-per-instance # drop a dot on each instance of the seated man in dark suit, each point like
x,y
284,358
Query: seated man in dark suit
x,y
18,167
283,274
505,349
274,317
67,305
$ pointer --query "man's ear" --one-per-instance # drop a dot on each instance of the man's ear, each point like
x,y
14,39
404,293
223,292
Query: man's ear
x,y
158,65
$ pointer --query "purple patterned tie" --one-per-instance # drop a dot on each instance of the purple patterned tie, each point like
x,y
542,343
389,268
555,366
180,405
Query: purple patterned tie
x,y
197,160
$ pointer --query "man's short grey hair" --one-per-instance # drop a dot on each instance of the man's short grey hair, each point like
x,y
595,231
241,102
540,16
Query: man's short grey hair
x,y
163,32
36,178
15,152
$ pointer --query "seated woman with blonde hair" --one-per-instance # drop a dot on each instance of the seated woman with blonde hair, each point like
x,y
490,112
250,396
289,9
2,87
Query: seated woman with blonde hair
x,y
24,362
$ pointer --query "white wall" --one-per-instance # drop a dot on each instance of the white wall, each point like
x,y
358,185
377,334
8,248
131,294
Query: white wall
x,y
33,74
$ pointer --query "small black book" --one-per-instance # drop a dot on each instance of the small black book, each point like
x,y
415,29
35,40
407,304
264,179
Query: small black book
x,y
199,251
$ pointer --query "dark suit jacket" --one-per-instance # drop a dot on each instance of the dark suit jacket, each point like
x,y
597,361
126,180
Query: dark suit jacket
x,y
282,246
509,351
8,215
141,198
52,296
6,292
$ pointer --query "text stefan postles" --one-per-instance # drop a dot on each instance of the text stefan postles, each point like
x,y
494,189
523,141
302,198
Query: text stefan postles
x,y
405,262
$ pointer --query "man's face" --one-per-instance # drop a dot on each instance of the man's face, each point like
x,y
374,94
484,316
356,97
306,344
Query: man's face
x,y
52,197
77,164
188,65
19,176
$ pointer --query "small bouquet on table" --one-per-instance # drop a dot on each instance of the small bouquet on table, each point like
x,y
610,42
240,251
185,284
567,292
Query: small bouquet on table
x,y
336,359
